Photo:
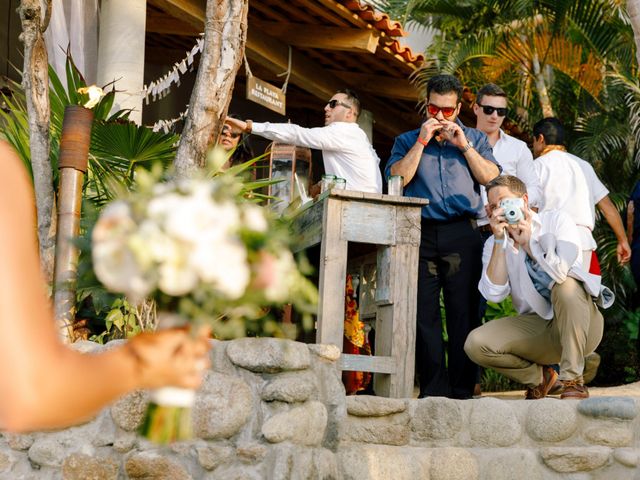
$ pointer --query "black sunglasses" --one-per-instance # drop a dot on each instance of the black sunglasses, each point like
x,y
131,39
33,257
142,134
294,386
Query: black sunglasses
x,y
488,110
334,103
230,133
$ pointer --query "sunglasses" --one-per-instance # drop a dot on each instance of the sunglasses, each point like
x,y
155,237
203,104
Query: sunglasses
x,y
446,111
334,103
231,133
488,110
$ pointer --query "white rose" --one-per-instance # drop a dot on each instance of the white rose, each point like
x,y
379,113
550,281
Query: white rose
x,y
153,243
161,206
254,218
115,265
177,276
191,217
224,265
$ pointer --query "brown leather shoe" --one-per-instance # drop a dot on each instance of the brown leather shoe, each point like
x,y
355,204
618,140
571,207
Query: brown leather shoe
x,y
574,390
549,377
557,388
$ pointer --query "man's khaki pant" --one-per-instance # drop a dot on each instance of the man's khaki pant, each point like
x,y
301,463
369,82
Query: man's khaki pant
x,y
517,347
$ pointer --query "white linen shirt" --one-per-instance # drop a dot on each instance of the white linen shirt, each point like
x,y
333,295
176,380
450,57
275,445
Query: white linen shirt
x,y
570,184
555,245
516,159
346,150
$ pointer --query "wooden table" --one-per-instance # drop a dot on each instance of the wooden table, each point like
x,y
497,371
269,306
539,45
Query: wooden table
x,y
393,224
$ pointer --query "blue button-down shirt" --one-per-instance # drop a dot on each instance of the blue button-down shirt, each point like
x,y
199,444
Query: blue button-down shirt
x,y
443,175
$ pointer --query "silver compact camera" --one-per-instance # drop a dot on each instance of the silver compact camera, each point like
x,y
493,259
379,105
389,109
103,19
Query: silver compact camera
x,y
512,209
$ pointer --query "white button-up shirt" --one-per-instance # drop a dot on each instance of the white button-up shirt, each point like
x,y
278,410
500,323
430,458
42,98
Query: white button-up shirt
x,y
555,245
346,150
570,184
516,159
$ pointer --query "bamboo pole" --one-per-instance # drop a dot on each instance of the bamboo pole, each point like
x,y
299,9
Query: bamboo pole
x,y
74,151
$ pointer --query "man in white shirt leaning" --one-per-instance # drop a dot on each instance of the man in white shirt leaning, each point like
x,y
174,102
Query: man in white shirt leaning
x,y
570,184
536,258
346,150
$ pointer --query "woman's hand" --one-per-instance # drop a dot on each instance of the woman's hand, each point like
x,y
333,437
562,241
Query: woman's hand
x,y
172,357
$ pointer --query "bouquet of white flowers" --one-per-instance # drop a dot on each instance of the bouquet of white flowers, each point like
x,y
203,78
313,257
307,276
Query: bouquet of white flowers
x,y
206,255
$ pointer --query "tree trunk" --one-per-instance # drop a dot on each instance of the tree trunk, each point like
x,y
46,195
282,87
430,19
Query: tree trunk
x,y
225,35
35,81
633,9
541,87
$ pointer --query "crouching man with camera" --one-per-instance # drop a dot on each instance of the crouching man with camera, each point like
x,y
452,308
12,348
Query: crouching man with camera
x,y
536,258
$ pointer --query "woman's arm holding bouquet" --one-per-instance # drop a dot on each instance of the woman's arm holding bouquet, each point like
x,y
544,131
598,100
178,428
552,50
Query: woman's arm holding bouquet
x,y
43,384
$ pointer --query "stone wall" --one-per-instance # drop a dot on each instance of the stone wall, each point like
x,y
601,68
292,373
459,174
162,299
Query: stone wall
x,y
275,409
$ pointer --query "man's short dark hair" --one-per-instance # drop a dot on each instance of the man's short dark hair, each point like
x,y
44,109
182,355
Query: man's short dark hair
x,y
514,184
551,129
443,84
352,98
490,90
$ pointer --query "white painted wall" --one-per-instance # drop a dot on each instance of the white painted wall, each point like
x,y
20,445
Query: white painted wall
x,y
121,52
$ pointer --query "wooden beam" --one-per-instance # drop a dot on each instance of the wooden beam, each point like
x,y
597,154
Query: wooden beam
x,y
381,86
192,12
274,55
168,25
321,37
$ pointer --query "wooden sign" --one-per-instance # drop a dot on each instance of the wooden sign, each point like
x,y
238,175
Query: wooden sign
x,y
266,95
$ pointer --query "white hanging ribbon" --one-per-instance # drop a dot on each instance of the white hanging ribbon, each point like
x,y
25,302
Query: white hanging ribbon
x,y
159,88
166,125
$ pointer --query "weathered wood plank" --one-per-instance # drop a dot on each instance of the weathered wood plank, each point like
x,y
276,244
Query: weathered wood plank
x,y
396,323
380,198
368,223
307,227
408,226
367,363
333,267
384,277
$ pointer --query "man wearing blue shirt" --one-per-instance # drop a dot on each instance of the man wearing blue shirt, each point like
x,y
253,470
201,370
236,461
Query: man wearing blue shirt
x,y
446,162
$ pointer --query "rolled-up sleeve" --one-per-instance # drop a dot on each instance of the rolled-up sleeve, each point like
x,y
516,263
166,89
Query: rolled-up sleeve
x,y
401,146
320,138
488,289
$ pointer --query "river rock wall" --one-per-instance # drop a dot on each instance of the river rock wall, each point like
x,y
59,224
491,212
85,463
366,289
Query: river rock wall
x,y
276,409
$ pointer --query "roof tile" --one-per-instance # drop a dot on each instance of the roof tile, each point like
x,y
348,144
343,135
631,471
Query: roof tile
x,y
382,22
